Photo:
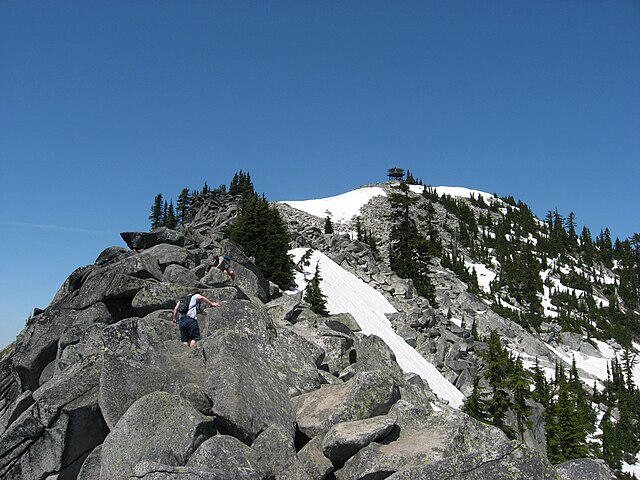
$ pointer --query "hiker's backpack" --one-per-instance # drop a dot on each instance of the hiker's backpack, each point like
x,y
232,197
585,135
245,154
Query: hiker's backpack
x,y
227,262
183,305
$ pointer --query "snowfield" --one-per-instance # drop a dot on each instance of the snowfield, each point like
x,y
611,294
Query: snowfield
x,y
348,294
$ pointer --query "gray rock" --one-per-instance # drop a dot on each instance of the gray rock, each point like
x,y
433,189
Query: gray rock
x,y
274,450
504,461
246,389
181,275
90,469
423,437
584,468
227,454
310,463
143,240
163,427
366,395
109,254
167,254
343,440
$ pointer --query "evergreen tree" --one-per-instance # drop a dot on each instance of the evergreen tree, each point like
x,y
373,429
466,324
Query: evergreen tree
x,y
171,221
183,204
497,372
314,296
156,212
474,404
519,384
263,235
409,251
242,185
328,225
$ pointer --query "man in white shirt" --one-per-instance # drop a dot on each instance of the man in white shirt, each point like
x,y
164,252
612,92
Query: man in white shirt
x,y
189,328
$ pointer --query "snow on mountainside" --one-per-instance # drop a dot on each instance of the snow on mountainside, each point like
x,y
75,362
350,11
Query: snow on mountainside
x,y
348,294
344,207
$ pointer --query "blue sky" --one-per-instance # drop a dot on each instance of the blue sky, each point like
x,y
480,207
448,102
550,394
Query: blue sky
x,y
105,104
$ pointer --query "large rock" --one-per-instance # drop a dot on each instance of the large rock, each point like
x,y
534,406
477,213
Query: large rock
x,y
37,344
343,440
227,454
143,240
310,463
366,395
584,468
48,437
504,461
422,437
274,450
159,427
247,392
142,356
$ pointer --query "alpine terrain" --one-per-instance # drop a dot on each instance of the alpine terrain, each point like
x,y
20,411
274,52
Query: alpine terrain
x,y
397,331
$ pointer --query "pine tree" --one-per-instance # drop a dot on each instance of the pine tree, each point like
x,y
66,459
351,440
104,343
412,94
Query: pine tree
x,y
474,404
519,384
156,212
314,296
172,221
409,251
183,204
328,225
497,372
263,235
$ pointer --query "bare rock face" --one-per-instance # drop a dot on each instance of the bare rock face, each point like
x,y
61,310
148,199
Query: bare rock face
x,y
99,386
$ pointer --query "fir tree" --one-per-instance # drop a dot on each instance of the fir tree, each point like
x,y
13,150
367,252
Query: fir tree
x,y
328,225
409,251
263,235
156,212
474,404
183,204
171,221
497,372
314,296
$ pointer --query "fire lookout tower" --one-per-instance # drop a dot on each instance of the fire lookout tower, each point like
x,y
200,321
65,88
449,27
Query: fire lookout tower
x,y
395,173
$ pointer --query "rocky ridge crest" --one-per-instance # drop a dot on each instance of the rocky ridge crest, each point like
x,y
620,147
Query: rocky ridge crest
x,y
99,386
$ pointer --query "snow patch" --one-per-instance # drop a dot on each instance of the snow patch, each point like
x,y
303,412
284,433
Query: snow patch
x,y
345,293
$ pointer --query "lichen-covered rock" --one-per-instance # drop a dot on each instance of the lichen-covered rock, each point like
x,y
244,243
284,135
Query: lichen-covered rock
x,y
343,440
366,395
145,240
274,450
228,454
162,427
504,461
584,468
246,389
310,463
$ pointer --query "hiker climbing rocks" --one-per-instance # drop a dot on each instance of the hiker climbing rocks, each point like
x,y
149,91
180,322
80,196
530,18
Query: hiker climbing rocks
x,y
187,309
223,262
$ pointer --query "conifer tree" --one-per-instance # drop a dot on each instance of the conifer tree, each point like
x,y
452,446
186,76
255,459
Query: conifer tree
x,y
474,404
497,372
314,296
409,251
263,235
183,204
171,221
519,384
156,212
328,225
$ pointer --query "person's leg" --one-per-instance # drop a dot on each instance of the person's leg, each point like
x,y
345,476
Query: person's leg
x,y
192,344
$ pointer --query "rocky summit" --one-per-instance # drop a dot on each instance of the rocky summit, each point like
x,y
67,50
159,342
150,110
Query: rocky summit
x,y
99,385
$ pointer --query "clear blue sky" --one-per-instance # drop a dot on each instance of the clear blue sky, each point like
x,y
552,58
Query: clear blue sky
x,y
105,104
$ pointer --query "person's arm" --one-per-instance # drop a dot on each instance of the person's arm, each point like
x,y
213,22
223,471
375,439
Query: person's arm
x,y
205,299
174,319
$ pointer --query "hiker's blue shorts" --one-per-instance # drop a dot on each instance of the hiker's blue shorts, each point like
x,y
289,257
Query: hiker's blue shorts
x,y
189,329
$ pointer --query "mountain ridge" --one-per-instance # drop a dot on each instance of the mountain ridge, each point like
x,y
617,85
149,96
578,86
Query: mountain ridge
x,y
291,393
